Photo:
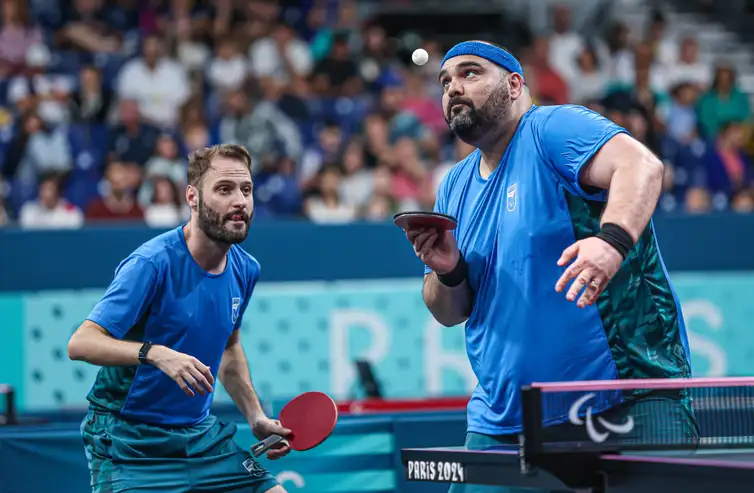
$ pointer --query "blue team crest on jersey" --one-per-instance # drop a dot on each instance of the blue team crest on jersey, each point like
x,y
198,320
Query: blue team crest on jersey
x,y
234,310
511,197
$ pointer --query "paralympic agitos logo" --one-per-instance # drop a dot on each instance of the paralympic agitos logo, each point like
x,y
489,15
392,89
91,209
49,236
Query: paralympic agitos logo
x,y
595,435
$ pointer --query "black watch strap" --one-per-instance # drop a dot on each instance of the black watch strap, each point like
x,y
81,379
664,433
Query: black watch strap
x,y
143,352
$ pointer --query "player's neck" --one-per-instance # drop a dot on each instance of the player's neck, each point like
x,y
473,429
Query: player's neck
x,y
208,253
493,146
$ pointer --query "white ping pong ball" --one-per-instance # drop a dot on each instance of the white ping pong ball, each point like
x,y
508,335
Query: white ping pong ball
x,y
420,56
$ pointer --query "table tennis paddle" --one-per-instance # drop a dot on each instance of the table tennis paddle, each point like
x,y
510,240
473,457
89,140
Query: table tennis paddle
x,y
415,220
310,416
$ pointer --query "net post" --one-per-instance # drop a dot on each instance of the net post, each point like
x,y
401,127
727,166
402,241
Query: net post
x,y
530,438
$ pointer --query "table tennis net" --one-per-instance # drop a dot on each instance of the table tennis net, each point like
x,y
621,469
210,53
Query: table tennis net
x,y
643,418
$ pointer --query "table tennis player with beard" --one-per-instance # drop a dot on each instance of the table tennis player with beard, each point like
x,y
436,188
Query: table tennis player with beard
x,y
554,266
165,329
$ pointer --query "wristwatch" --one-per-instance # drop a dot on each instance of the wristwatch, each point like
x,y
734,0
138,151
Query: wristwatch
x,y
143,352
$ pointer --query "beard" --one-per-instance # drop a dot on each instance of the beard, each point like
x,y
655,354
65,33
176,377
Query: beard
x,y
212,223
471,123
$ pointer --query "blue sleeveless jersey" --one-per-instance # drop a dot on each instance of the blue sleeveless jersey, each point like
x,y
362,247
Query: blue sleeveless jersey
x,y
512,228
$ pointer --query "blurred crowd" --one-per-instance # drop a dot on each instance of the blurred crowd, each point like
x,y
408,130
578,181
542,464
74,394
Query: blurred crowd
x,y
100,103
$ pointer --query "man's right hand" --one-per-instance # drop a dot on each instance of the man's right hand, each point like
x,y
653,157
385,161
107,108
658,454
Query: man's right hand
x,y
436,248
188,372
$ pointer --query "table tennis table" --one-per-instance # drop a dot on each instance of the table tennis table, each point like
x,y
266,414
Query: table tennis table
x,y
714,463
729,471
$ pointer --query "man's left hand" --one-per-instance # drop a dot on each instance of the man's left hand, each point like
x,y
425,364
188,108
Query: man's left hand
x,y
263,427
596,263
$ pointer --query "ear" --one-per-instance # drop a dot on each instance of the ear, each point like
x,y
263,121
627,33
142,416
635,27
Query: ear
x,y
192,197
516,85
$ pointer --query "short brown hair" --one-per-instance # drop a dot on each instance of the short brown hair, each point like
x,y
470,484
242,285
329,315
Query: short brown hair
x,y
201,159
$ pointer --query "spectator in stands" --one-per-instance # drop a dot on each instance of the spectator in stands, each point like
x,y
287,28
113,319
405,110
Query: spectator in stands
x,y
337,75
376,60
260,127
619,57
166,163
550,87
382,204
118,201
650,74
688,67
228,70
38,148
132,139
39,90
85,28
588,81
166,209
743,202
724,102
681,122
664,46
376,137
327,206
50,210
357,182
728,168
194,125
401,123
698,201
159,84
408,174
282,62
18,33
326,150
426,108
91,102
565,44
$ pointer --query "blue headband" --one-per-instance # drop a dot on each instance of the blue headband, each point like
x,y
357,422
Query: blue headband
x,y
488,52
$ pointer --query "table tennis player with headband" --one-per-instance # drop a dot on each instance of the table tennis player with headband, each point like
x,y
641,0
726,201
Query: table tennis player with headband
x,y
310,416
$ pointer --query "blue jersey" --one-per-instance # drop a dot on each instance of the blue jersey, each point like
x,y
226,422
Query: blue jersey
x,y
512,228
161,294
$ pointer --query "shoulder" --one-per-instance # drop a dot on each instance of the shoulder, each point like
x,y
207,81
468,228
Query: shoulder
x,y
569,126
459,173
244,263
546,116
158,251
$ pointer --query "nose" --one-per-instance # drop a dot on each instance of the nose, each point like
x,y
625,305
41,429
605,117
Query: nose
x,y
238,201
455,88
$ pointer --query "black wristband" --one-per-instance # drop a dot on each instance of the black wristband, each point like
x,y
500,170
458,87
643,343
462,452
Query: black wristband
x,y
143,352
455,276
617,237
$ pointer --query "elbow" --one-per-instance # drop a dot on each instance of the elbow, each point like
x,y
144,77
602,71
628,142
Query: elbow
x,y
76,347
655,170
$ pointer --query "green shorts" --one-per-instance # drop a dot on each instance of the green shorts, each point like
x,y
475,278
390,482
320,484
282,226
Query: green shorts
x,y
677,415
130,456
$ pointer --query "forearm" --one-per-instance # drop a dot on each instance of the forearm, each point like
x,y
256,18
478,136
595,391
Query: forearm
x,y
92,344
633,194
449,305
235,377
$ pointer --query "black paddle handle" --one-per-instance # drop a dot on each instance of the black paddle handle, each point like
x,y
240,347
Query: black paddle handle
x,y
261,447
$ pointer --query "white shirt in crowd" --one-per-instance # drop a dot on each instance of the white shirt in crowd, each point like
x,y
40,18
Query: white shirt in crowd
x,y
43,86
164,215
320,213
227,75
34,215
266,61
160,92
